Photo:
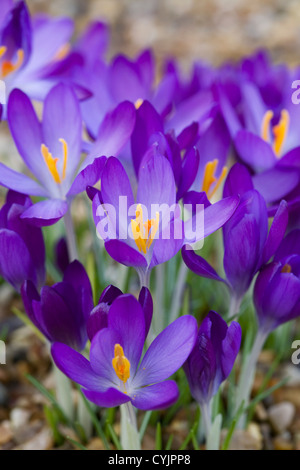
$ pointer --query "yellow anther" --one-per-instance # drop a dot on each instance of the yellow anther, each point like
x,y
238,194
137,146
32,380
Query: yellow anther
x,y
144,232
7,67
62,52
138,103
209,178
287,268
121,364
52,162
280,131
265,127
3,49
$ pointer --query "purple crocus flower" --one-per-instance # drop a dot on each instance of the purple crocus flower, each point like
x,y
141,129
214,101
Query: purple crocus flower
x,y
212,357
52,150
277,287
247,243
22,249
61,312
151,231
116,373
32,52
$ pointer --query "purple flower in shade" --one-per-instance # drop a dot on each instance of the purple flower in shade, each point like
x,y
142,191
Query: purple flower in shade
x,y
212,357
116,373
150,231
61,312
247,243
32,52
277,287
22,249
52,149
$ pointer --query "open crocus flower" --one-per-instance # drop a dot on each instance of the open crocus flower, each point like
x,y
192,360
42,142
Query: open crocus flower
x,y
277,288
150,231
22,249
212,357
61,312
31,51
247,243
52,149
116,372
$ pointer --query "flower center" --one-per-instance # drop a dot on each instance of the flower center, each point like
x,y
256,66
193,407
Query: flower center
x,y
211,183
52,162
287,268
7,67
279,131
144,232
121,364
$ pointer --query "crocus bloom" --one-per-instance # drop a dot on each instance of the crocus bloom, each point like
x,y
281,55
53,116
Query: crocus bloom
x,y
277,287
22,249
247,243
212,357
116,373
61,312
52,150
31,51
134,234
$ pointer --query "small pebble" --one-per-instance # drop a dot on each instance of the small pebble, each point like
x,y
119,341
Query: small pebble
x,y
281,416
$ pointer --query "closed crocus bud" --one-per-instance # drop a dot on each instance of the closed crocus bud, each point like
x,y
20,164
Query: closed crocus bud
x,y
212,357
60,312
277,288
22,249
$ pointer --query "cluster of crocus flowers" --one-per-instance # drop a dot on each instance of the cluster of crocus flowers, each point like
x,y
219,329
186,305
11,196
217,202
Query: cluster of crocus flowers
x,y
156,161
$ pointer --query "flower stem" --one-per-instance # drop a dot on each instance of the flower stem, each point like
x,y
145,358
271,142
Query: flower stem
x,y
70,235
206,417
178,291
64,393
247,375
130,438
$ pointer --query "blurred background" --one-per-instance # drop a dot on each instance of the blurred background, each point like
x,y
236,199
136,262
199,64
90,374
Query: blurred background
x,y
211,30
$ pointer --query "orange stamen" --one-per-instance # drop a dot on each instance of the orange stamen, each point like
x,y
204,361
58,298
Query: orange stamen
x,y
265,127
52,162
280,131
62,52
144,232
121,364
8,67
210,178
287,268
138,103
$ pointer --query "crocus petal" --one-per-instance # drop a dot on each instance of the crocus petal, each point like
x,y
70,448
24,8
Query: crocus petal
x,y
87,177
18,182
15,261
145,299
125,82
62,120
115,131
238,181
254,151
190,166
94,41
167,352
76,276
46,212
125,254
108,399
155,397
277,231
76,367
102,354
198,265
126,316
289,245
276,183
215,216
